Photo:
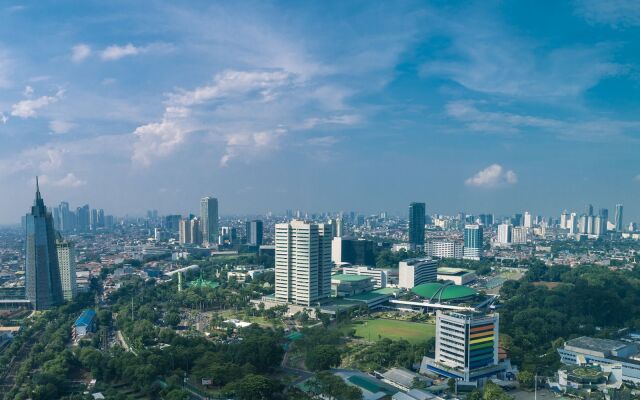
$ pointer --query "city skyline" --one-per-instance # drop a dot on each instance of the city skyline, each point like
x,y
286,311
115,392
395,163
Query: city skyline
x,y
167,104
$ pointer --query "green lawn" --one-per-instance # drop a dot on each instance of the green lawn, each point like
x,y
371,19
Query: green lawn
x,y
413,332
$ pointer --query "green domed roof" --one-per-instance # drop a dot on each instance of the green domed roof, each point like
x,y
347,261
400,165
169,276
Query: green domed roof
x,y
443,292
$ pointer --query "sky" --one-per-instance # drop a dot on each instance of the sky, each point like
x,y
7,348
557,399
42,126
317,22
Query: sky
x,y
483,106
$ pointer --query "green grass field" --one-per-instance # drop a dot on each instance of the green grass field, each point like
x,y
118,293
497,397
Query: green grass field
x,y
376,329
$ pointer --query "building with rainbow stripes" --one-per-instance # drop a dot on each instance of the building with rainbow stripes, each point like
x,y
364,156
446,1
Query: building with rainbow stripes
x,y
466,346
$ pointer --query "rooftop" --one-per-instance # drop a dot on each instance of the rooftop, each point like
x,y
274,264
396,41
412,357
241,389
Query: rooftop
x,y
438,291
453,271
350,278
86,317
596,344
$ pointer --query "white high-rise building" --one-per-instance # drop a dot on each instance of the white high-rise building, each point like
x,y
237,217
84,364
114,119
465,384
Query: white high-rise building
x,y
443,249
473,242
504,233
209,220
528,220
417,271
564,220
303,262
67,264
572,225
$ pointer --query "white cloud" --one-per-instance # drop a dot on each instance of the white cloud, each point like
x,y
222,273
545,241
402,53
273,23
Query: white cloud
x,y
492,176
157,140
28,91
616,13
325,141
80,52
58,126
116,52
3,118
67,181
28,108
249,143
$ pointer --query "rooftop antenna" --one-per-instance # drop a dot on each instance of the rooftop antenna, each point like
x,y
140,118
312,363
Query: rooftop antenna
x,y
37,188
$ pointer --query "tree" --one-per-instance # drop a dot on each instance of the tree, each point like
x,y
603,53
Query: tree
x,y
451,383
494,392
253,387
526,379
322,357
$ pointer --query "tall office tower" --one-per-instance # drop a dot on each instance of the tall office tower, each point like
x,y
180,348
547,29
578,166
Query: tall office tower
x,y
303,262
504,233
486,219
254,232
416,225
473,243
338,227
466,345
209,220
93,221
83,218
172,223
57,219
67,263
517,220
101,221
564,218
185,231
196,231
588,209
573,224
599,225
618,218
66,217
583,225
604,214
528,220
43,286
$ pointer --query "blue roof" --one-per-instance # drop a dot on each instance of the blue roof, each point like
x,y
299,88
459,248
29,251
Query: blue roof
x,y
86,318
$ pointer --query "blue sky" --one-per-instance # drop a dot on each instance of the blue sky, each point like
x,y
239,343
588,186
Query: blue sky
x,y
477,106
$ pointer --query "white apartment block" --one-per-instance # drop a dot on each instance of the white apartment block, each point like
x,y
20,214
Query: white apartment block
x,y
504,233
67,265
519,235
303,262
417,271
444,249
378,276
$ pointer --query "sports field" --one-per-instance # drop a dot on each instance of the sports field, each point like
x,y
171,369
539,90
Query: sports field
x,y
376,329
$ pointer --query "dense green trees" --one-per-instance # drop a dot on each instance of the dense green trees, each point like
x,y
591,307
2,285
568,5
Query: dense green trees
x,y
322,357
586,300
389,353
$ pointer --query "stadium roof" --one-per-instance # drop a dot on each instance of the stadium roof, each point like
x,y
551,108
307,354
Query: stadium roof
x,y
443,292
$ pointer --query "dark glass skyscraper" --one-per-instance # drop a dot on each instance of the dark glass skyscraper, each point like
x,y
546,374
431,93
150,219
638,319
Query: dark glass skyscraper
x,y
416,225
254,231
618,218
43,287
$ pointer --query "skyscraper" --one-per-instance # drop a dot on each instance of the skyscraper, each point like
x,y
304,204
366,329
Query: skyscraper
x,y
618,218
416,225
209,220
43,287
83,218
303,262
528,220
588,209
67,265
254,232
504,233
473,243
